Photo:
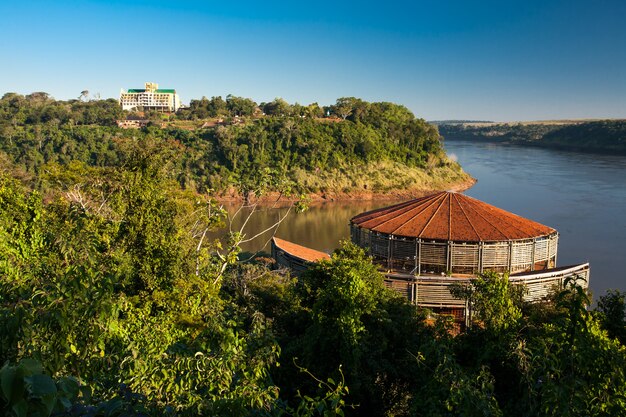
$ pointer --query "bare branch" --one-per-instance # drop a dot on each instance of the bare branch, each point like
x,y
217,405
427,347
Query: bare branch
x,y
198,250
269,228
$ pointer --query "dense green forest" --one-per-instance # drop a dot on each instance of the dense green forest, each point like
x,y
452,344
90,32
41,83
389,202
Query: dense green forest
x,y
379,147
605,136
114,302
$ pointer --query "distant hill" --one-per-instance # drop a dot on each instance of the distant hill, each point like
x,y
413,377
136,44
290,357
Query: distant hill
x,y
351,149
456,122
598,136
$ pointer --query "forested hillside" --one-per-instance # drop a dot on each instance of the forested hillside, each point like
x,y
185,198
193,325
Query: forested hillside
x,y
379,147
605,136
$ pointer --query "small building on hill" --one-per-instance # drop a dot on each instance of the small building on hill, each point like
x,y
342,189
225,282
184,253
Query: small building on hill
x,y
150,98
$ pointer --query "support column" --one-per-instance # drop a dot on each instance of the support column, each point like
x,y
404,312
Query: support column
x,y
556,249
532,257
419,257
416,256
510,255
389,253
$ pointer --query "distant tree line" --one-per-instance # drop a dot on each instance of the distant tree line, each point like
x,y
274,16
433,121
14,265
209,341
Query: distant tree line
x,y
39,108
457,122
605,136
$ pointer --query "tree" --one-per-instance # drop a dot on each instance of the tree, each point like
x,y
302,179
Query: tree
x,y
354,322
217,107
343,107
277,107
38,97
611,312
314,110
492,300
569,366
239,106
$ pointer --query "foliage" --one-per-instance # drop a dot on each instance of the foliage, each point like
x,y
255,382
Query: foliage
x,y
611,313
27,391
112,272
606,136
571,367
553,360
492,300
393,362
453,391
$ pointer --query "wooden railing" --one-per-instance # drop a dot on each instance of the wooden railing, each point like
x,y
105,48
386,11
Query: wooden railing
x,y
434,291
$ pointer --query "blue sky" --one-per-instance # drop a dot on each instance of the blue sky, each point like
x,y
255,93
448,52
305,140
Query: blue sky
x,y
489,60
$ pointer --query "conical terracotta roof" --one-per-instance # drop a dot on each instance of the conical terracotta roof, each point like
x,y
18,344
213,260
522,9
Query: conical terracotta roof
x,y
450,216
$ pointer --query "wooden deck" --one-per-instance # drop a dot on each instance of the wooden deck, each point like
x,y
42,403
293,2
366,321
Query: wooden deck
x,y
434,290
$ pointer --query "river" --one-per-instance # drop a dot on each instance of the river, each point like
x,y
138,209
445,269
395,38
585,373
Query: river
x,y
583,196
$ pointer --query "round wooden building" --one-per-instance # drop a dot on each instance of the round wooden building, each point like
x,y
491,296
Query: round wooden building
x,y
425,245
450,233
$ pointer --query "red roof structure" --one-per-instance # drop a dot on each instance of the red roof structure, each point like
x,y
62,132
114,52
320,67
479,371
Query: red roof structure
x,y
301,252
450,216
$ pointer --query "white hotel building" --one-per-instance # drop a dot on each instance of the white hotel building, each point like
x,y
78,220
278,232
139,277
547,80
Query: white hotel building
x,y
150,98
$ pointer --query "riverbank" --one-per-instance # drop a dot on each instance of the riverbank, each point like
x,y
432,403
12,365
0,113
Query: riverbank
x,y
376,182
366,182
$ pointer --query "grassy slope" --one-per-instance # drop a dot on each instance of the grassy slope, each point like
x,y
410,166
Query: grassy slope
x,y
382,180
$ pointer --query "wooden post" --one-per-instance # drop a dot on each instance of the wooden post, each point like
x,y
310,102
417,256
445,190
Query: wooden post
x,y
415,256
532,256
389,253
556,249
419,257
510,254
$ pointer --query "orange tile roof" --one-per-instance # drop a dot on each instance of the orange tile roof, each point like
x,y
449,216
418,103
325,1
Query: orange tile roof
x,y
302,252
450,216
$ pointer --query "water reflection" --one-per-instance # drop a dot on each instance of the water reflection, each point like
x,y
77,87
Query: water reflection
x,y
320,227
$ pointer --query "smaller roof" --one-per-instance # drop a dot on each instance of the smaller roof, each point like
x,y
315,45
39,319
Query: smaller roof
x,y
302,252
